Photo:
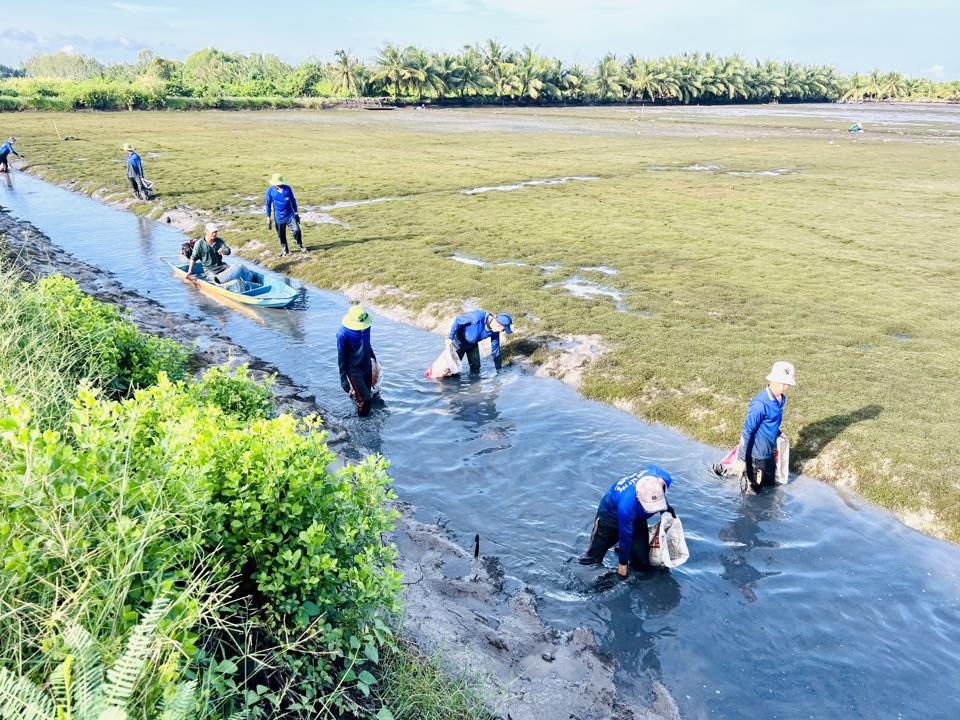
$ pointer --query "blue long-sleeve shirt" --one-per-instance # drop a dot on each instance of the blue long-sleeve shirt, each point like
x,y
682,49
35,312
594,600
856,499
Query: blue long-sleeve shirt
x,y
283,202
134,165
354,351
470,328
6,149
621,503
761,427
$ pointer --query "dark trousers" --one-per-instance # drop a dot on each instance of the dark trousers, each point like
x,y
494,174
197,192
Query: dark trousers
x,y
761,472
471,350
360,384
139,189
282,234
4,164
606,534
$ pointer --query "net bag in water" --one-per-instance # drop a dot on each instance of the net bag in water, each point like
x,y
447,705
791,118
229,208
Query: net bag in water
x,y
375,373
446,364
668,546
781,455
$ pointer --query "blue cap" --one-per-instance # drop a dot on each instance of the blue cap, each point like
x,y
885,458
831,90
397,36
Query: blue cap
x,y
506,321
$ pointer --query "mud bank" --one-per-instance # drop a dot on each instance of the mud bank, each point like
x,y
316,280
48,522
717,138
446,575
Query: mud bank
x,y
455,604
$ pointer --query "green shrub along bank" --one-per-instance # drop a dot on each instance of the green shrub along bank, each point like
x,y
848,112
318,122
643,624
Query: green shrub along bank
x,y
194,537
52,336
486,72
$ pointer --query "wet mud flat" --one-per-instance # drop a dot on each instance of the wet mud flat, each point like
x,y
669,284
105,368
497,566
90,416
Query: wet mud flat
x,y
455,602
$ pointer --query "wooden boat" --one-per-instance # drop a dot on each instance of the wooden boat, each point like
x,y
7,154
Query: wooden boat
x,y
260,290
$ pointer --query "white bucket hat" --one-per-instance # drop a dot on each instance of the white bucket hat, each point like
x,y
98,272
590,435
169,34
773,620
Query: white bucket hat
x,y
650,493
783,372
211,227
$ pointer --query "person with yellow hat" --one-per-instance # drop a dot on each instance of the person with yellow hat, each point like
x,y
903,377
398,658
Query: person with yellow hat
x,y
279,197
756,454
356,358
135,173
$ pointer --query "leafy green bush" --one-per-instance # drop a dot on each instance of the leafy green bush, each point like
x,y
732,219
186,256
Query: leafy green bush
x,y
236,394
52,336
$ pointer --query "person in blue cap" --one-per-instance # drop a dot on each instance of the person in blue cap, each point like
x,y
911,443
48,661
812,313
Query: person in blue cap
x,y
622,517
469,329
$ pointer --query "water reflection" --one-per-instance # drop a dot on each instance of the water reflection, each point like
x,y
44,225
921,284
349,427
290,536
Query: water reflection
x,y
744,535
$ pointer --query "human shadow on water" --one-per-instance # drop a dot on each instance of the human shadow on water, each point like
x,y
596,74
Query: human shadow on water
x,y
637,617
814,437
744,535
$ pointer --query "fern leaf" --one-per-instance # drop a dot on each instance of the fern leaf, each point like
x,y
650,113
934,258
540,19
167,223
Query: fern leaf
x,y
76,682
183,703
20,699
123,676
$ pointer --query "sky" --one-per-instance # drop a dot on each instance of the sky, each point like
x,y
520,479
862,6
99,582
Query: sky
x,y
916,37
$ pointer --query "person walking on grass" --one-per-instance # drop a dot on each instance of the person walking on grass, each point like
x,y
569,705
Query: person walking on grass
x,y
279,197
356,358
135,173
622,518
5,151
756,455
469,329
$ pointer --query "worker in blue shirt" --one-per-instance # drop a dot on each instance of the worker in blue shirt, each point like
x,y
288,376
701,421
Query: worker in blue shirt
x,y
5,150
135,173
356,358
279,197
622,518
470,328
756,455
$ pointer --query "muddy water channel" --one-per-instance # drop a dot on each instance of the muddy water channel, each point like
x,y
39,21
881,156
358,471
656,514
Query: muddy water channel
x,y
797,603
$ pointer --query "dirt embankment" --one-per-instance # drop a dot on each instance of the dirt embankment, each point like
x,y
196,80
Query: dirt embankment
x,y
455,603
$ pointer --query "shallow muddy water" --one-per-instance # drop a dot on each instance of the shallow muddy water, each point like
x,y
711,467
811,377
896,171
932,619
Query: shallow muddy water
x,y
798,603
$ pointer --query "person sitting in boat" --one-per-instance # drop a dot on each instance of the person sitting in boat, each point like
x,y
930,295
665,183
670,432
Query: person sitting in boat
x,y
622,517
356,358
210,251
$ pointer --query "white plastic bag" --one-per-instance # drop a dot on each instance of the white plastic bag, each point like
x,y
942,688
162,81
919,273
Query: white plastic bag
x,y
783,460
668,546
446,364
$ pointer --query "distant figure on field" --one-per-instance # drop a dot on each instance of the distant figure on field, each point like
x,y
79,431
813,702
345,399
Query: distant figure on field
x,y
855,128
622,517
279,197
356,358
756,455
470,328
135,173
5,151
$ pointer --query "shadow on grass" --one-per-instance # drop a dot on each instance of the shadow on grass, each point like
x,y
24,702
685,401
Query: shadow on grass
x,y
815,436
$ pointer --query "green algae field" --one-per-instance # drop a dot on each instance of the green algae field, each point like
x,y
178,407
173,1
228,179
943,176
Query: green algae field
x,y
692,246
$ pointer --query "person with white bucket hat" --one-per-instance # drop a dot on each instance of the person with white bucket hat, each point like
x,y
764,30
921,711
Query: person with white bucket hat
x,y
756,455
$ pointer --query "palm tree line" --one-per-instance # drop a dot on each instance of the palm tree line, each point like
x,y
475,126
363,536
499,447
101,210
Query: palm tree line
x,y
493,72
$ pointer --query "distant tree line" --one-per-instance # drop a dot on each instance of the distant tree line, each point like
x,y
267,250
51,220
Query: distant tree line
x,y
483,73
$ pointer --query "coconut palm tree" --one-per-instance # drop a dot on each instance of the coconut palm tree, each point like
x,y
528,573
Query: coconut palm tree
x,y
347,73
468,73
609,79
391,68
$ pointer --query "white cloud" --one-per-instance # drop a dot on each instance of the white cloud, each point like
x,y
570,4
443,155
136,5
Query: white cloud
x,y
937,72
141,9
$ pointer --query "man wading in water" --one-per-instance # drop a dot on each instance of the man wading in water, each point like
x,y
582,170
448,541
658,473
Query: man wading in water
x,y
622,517
5,151
355,357
279,196
470,328
756,455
